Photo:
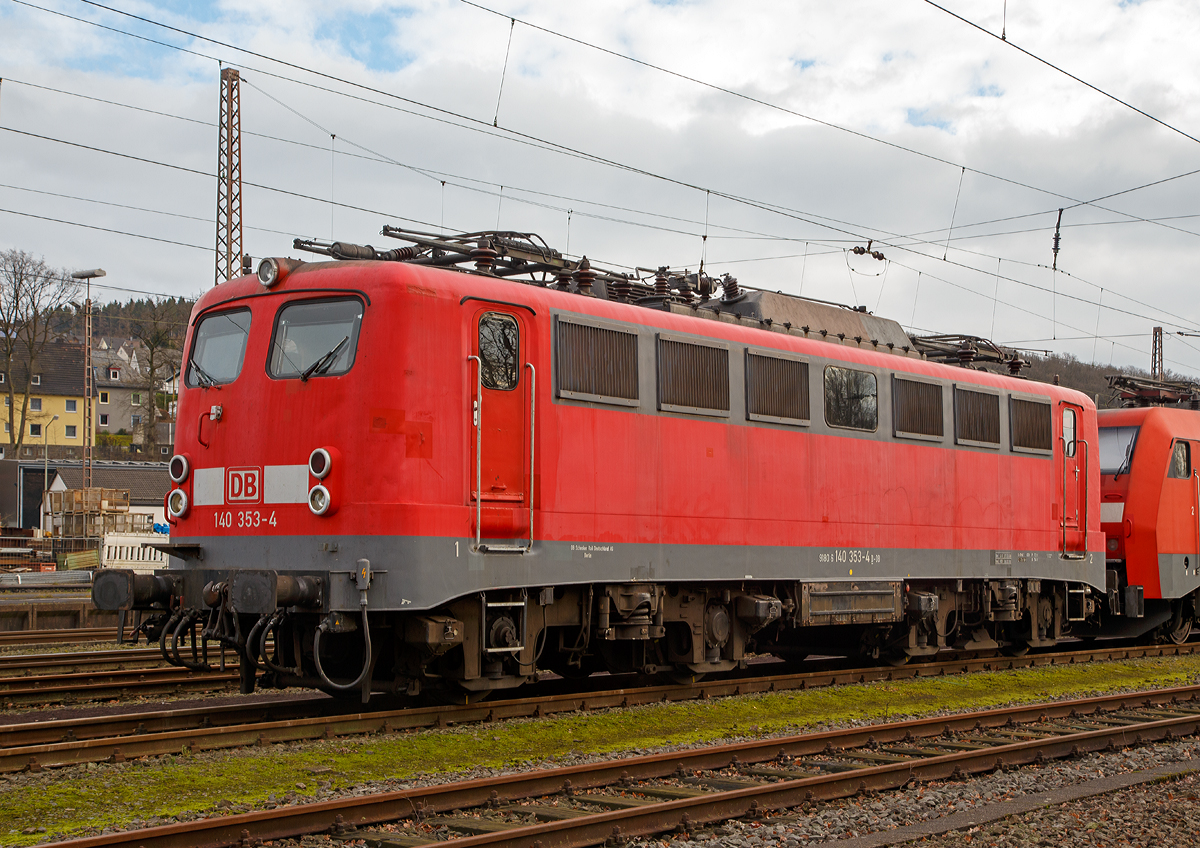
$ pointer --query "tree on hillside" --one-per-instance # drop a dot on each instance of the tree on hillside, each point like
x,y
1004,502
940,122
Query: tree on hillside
x,y
161,335
32,294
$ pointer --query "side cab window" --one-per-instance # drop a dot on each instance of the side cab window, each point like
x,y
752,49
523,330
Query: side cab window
x,y
1181,461
1068,432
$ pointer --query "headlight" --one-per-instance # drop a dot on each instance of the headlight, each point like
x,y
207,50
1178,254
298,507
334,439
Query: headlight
x,y
319,463
268,272
179,468
318,500
177,503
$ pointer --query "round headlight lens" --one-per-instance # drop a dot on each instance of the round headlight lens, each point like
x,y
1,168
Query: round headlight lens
x,y
177,503
318,500
319,462
268,272
179,468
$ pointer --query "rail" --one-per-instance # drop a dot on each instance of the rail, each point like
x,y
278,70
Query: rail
x,y
108,737
612,800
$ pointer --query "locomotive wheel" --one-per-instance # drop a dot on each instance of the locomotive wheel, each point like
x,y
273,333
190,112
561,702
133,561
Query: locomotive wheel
x,y
1181,633
1015,649
895,658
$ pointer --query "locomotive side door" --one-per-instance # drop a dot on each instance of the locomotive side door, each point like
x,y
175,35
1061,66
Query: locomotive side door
x,y
1178,525
1075,461
501,391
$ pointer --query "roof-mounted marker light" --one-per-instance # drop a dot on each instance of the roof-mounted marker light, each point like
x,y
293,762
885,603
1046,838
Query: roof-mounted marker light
x,y
318,500
319,463
272,271
177,503
268,272
179,468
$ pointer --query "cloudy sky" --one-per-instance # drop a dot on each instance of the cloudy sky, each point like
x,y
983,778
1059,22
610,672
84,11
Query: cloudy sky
x,y
787,131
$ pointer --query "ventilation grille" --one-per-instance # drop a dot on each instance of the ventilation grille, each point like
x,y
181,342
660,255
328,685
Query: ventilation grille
x,y
776,389
595,363
692,377
977,418
1032,427
918,408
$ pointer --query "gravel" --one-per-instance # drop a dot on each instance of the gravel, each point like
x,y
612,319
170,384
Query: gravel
x,y
1086,818
1158,814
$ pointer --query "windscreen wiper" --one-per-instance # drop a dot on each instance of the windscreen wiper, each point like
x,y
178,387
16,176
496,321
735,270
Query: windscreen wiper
x,y
205,379
1125,462
325,362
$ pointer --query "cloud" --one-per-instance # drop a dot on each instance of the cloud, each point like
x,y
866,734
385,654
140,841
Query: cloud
x,y
881,107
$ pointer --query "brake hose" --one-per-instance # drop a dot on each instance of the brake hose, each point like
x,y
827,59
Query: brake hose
x,y
366,669
169,627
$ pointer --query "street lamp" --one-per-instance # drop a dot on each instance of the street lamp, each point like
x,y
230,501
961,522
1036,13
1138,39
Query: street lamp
x,y
46,467
88,388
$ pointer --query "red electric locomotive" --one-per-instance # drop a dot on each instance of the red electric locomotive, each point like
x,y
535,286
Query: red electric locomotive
x,y
407,475
1150,514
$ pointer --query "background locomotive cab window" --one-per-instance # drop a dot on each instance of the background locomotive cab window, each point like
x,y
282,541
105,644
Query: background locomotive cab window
x,y
1116,449
1181,461
1069,432
315,337
499,345
851,398
218,349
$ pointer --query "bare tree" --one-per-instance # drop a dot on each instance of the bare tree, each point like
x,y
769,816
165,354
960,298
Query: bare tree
x,y
160,329
31,293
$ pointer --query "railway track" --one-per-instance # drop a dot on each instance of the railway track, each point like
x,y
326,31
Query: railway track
x,y
75,687
116,738
609,801
16,665
53,637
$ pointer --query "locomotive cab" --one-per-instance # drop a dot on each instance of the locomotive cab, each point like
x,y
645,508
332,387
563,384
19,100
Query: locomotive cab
x,y
1150,514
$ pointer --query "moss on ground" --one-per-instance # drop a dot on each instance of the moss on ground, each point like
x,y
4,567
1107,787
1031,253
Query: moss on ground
x,y
64,802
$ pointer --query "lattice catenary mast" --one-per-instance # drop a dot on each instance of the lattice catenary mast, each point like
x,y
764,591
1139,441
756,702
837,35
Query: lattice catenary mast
x,y
229,179
1156,355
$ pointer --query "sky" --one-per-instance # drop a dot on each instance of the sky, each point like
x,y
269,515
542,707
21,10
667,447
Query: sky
x,y
765,138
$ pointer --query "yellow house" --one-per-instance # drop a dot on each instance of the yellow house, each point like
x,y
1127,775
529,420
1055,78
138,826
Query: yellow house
x,y
55,416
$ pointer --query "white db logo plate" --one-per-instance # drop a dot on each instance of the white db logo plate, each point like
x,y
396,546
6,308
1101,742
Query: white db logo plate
x,y
243,485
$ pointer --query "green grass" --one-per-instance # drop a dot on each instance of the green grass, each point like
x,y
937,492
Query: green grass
x,y
170,786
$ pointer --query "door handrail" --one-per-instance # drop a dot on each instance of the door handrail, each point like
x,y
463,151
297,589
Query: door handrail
x,y
477,420
532,430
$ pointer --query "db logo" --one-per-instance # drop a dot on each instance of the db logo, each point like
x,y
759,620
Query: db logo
x,y
243,485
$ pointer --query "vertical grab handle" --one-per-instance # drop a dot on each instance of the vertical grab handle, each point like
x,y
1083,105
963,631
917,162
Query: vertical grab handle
x,y
1087,461
1062,518
532,429
477,420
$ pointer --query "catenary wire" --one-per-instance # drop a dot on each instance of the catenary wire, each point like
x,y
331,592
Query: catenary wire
x,y
557,147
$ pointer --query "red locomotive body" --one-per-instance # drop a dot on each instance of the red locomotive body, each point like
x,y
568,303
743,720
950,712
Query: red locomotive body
x,y
416,477
1150,512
